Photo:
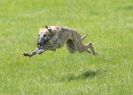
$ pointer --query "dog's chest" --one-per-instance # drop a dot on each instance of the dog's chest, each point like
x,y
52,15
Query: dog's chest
x,y
56,42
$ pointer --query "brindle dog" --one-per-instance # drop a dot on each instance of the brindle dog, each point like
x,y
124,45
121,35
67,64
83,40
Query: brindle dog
x,y
53,37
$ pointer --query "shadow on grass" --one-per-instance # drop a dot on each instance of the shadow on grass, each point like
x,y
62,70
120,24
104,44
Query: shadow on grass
x,y
83,75
129,7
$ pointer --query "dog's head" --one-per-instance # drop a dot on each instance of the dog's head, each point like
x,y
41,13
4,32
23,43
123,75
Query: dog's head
x,y
45,34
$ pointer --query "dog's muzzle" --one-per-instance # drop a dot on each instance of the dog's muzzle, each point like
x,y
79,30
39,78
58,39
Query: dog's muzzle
x,y
42,42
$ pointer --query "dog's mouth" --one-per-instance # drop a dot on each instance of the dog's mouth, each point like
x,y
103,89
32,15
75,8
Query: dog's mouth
x,y
40,46
43,45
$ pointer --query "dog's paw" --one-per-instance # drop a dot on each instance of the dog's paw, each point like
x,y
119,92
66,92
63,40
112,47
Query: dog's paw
x,y
95,53
26,54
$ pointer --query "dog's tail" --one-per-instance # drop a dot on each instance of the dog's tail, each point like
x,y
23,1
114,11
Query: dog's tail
x,y
83,37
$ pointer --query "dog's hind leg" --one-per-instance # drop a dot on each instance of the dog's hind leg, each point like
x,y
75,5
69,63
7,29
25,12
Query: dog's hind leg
x,y
70,46
90,46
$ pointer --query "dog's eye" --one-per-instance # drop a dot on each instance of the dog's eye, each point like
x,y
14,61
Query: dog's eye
x,y
44,35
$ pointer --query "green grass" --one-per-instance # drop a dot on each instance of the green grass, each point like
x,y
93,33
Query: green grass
x,y
109,26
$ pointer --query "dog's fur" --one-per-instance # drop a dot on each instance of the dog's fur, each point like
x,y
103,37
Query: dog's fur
x,y
53,37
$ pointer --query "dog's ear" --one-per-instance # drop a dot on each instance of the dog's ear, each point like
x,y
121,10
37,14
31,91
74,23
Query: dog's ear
x,y
46,26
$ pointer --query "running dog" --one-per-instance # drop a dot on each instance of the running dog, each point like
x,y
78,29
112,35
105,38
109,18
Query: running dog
x,y
54,37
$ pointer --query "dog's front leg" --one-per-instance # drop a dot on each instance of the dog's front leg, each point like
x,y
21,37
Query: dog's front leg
x,y
36,51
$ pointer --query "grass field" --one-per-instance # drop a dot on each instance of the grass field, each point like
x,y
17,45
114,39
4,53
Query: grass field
x,y
109,26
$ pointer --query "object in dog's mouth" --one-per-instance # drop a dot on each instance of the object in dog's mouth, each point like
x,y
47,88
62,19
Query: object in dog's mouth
x,y
41,47
37,51
40,51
